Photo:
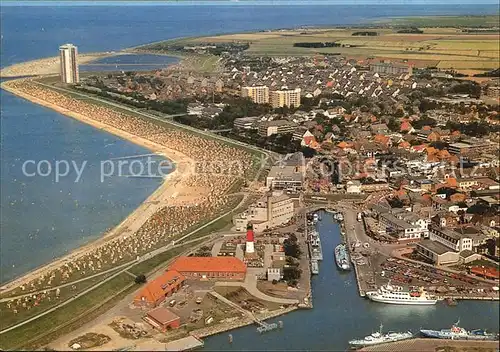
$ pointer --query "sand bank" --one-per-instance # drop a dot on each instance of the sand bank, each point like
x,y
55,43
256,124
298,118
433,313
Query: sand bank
x,y
46,66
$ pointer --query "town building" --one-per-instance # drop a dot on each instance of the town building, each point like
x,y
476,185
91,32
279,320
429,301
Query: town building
x,y
209,268
436,252
285,177
273,274
451,239
280,98
268,128
246,123
391,68
156,291
163,319
471,146
404,230
493,92
68,56
270,211
259,95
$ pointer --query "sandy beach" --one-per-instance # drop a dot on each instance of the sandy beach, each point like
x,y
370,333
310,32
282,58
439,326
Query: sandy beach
x,y
188,196
46,66
183,167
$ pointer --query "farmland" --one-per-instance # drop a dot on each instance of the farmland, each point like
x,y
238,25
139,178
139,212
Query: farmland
x,y
462,45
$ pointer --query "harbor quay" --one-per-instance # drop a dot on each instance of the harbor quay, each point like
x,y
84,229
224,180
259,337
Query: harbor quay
x,y
377,263
432,345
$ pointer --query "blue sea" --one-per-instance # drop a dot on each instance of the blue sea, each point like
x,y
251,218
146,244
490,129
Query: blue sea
x,y
43,218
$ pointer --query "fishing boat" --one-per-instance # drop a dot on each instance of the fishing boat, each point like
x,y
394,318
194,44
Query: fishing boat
x,y
378,338
458,333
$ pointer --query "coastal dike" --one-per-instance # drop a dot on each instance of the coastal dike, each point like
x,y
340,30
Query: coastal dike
x,y
185,166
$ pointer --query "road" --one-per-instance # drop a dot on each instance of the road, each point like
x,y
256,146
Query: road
x,y
125,267
149,255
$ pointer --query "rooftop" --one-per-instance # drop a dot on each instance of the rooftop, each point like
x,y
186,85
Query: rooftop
x,y
434,247
208,264
156,289
162,315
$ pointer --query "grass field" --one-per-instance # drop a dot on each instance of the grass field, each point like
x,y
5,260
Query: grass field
x,y
444,42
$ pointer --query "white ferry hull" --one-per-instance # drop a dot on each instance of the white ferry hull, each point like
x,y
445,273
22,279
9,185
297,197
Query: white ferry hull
x,y
374,297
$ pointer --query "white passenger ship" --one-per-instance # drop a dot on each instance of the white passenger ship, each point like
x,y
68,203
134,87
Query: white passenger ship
x,y
396,295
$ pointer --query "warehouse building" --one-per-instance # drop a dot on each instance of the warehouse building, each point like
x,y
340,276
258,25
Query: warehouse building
x,y
162,319
210,268
157,290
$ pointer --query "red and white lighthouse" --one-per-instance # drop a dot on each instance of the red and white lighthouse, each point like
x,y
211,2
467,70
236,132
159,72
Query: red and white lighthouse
x,y
249,248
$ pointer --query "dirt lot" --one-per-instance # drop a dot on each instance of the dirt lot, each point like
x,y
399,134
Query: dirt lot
x,y
245,300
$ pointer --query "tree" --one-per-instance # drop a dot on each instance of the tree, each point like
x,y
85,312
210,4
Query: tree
x,y
140,279
291,274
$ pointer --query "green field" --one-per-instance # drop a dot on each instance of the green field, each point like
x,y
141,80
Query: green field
x,y
444,43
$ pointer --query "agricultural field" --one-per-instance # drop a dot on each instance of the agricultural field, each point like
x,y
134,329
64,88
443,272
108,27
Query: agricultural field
x,y
467,43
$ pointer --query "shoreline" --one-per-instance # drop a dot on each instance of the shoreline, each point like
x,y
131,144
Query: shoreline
x,y
184,166
48,65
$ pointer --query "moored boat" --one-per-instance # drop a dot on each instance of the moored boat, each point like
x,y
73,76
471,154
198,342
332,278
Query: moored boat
x,y
342,257
397,295
458,333
378,338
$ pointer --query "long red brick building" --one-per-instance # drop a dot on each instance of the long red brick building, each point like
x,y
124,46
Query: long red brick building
x,y
156,291
210,268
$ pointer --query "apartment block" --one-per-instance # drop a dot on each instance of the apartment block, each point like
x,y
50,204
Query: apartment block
x,y
68,55
280,98
259,95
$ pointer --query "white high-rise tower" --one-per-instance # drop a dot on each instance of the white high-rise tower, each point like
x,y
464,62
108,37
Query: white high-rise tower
x,y
68,54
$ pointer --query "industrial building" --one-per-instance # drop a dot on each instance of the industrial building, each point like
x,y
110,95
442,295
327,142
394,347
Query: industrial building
x,y
259,95
287,177
68,55
280,98
155,292
471,146
163,319
391,68
208,268
270,211
268,128
246,123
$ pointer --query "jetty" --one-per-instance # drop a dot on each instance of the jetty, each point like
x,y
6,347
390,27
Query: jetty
x,y
185,344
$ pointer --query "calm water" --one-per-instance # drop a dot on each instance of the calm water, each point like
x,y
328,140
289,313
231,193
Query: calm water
x,y
130,62
42,219
339,314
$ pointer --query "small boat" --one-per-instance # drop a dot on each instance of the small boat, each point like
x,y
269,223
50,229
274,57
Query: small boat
x,y
342,257
314,267
378,338
450,301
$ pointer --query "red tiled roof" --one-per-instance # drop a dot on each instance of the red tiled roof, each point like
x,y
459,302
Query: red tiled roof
x,y
487,272
155,290
208,264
